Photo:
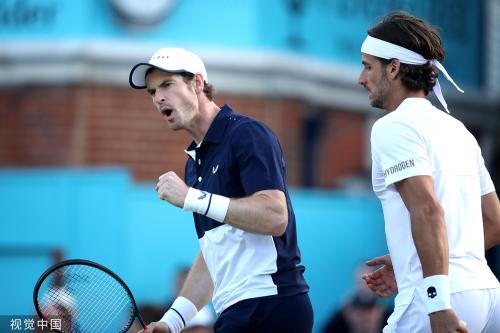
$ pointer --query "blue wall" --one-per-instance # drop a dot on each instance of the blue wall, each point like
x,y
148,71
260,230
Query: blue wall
x,y
331,30
102,215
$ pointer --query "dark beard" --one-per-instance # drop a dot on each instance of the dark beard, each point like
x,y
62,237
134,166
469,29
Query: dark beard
x,y
377,103
383,90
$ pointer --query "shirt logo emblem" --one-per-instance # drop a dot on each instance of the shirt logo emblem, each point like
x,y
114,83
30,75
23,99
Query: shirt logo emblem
x,y
399,167
215,168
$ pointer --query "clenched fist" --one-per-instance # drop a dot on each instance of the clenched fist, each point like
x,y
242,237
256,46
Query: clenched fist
x,y
172,189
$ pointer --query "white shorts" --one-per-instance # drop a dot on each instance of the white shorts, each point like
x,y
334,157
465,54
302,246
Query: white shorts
x,y
479,309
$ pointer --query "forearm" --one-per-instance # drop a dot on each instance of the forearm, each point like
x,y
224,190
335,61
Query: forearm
x,y
194,295
264,212
431,240
198,287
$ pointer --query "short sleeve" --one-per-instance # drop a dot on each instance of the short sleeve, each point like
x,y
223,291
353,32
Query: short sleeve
x,y
485,180
400,150
259,158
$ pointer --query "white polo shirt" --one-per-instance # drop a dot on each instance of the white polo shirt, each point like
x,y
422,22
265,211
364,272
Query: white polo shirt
x,y
419,139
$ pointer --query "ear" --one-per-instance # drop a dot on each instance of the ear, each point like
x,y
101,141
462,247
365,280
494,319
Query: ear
x,y
393,69
199,84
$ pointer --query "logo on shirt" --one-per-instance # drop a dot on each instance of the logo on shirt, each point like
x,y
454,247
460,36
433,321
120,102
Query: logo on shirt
x,y
215,168
203,195
398,167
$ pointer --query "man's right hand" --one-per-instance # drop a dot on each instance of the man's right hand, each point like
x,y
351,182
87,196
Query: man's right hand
x,y
172,188
446,321
381,281
156,327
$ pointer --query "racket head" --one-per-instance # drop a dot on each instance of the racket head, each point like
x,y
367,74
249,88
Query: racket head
x,y
86,297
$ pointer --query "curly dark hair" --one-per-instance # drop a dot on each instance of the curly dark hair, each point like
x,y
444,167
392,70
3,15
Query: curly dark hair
x,y
415,34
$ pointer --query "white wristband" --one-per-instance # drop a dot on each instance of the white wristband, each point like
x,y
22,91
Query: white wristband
x,y
211,205
180,313
436,293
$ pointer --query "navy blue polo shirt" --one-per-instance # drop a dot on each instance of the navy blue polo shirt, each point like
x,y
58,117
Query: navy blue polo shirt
x,y
238,157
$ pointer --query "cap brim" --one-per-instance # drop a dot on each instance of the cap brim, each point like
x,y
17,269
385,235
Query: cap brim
x,y
137,77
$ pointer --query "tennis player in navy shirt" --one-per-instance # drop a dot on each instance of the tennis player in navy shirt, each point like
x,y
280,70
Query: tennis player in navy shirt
x,y
235,185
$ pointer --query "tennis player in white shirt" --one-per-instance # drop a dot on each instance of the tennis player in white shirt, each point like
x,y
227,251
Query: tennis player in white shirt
x,y
440,207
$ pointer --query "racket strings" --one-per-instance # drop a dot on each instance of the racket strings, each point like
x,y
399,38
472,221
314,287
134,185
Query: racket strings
x,y
107,301
57,303
95,301
86,310
113,316
60,295
107,317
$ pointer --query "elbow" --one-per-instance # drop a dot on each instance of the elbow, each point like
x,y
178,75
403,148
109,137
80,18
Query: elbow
x,y
279,224
428,211
427,221
434,212
274,213
280,219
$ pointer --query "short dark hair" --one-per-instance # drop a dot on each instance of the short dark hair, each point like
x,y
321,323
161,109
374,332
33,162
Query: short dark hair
x,y
415,34
208,89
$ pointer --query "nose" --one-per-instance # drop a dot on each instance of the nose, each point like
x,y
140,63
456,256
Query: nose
x,y
362,80
159,99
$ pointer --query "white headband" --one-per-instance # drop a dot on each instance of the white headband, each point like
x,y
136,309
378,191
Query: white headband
x,y
382,49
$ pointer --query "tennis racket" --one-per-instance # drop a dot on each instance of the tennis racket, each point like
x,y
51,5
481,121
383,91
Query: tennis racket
x,y
85,297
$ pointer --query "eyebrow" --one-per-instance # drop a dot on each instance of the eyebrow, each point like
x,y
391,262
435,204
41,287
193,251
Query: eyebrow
x,y
162,84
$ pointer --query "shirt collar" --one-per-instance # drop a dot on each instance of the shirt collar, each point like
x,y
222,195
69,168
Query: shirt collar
x,y
215,131
218,126
412,101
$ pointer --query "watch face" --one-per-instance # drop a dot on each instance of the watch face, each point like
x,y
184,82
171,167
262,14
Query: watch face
x,y
142,12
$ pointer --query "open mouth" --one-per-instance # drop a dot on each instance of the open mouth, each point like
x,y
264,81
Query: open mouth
x,y
166,112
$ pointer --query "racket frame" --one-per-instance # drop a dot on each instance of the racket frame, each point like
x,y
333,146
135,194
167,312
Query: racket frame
x,y
85,262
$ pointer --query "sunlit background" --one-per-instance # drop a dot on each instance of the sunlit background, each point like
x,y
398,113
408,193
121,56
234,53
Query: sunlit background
x,y
80,150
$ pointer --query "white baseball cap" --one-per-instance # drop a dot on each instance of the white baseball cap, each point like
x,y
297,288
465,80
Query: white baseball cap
x,y
172,60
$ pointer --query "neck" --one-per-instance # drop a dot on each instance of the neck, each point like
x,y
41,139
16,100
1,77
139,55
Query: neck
x,y
399,95
208,112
